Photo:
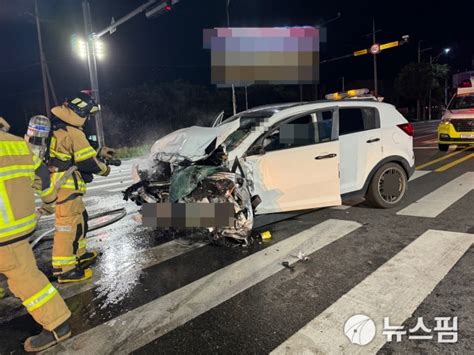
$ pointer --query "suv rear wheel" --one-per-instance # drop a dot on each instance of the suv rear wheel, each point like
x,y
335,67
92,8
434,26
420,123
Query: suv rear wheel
x,y
388,186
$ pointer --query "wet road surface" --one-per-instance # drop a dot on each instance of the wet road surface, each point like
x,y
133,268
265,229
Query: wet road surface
x,y
154,293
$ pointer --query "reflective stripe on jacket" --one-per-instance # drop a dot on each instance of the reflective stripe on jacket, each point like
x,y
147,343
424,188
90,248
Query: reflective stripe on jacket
x,y
69,146
20,173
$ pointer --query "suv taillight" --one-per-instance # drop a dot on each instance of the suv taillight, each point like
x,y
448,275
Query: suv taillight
x,y
465,84
407,128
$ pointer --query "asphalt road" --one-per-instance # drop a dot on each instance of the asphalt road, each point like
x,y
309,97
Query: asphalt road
x,y
154,294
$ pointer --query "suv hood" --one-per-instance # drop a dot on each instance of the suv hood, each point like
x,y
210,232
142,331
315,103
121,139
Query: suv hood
x,y
191,143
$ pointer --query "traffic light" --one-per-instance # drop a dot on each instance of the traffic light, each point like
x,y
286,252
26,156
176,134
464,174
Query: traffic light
x,y
163,7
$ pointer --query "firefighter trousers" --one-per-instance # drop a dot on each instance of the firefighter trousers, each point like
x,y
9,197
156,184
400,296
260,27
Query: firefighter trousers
x,y
70,231
27,282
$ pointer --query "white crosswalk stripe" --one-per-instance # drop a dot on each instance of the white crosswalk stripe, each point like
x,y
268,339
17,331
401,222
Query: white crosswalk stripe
x,y
146,323
436,202
394,290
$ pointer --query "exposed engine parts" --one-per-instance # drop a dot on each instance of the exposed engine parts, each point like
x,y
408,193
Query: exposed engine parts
x,y
206,181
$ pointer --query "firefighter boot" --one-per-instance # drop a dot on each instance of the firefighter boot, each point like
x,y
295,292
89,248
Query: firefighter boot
x,y
47,338
87,259
75,275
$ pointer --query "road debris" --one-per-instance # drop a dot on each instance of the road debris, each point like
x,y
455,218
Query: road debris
x,y
287,265
266,235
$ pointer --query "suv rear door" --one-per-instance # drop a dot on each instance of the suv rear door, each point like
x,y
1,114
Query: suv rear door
x,y
296,163
361,145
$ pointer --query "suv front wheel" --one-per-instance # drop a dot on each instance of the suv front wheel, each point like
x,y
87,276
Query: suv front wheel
x,y
388,186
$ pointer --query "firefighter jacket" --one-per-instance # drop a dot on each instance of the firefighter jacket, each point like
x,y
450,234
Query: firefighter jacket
x,y
69,146
20,172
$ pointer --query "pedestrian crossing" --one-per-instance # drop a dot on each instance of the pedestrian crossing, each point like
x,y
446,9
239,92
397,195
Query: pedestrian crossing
x,y
440,199
394,289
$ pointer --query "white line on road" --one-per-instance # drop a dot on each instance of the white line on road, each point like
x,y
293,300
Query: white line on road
x,y
119,189
425,135
103,186
440,199
138,327
419,173
341,207
394,290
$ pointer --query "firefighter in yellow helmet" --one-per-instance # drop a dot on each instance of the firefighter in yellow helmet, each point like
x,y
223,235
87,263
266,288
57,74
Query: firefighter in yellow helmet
x,y
20,173
70,147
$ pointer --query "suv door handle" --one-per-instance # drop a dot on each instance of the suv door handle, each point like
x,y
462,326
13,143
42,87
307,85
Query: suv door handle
x,y
373,140
327,156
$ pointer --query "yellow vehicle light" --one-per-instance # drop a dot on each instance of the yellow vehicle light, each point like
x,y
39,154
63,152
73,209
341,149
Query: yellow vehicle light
x,y
334,96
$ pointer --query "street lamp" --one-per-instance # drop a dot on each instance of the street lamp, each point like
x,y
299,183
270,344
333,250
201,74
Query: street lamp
x,y
79,47
445,51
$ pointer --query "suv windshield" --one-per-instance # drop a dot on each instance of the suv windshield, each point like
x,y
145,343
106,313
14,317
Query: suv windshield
x,y
462,101
248,123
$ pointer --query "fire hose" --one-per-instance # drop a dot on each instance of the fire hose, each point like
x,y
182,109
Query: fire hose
x,y
120,213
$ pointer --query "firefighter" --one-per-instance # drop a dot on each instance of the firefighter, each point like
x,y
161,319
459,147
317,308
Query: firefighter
x,y
70,147
20,171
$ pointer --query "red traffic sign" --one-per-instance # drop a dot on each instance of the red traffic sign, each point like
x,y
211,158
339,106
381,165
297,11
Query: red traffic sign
x,y
375,48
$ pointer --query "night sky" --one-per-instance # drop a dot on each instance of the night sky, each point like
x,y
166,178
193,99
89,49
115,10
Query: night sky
x,y
170,47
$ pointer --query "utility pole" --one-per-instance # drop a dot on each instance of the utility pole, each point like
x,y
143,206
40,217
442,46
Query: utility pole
x,y
343,84
92,65
43,63
376,90
234,101
431,84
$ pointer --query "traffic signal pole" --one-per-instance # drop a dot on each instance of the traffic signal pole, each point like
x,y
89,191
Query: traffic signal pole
x,y
92,65
91,37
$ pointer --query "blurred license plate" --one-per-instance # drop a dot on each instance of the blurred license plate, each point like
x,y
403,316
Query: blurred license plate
x,y
469,135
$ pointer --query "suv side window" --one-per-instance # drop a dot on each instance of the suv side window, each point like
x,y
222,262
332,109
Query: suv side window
x,y
358,119
313,128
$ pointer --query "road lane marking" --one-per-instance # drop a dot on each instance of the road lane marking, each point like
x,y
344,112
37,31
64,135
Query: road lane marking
x,y
119,189
103,186
426,135
144,324
394,290
444,157
341,207
454,163
418,174
440,199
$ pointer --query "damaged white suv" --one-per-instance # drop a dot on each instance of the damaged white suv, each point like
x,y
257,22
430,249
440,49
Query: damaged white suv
x,y
284,157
